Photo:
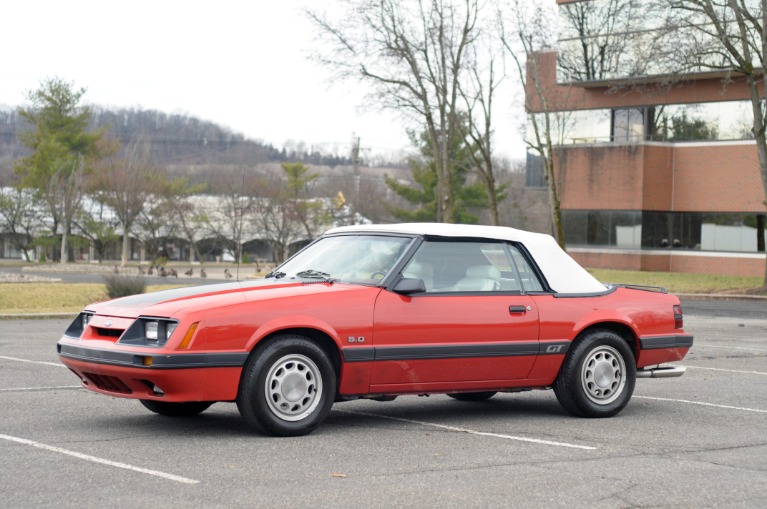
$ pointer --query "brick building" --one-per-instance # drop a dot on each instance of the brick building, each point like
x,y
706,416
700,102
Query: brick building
x,y
656,173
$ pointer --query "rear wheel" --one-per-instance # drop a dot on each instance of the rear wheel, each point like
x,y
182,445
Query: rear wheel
x,y
287,387
598,375
472,396
167,409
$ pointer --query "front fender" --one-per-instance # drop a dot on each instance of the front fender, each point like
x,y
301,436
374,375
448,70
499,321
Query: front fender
x,y
289,322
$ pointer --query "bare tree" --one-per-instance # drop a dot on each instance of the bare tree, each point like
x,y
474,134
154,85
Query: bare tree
x,y
594,40
20,216
64,193
237,192
124,183
478,95
525,36
98,224
413,54
730,35
274,217
185,213
154,225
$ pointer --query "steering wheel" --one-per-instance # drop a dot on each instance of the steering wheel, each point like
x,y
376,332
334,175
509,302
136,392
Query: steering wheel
x,y
377,273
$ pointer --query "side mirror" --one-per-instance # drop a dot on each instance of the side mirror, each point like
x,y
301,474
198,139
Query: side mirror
x,y
407,286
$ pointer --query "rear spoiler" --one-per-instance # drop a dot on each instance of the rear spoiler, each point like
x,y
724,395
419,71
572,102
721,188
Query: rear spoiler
x,y
658,289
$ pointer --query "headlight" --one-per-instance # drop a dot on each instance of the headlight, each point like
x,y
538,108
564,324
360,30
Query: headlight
x,y
148,331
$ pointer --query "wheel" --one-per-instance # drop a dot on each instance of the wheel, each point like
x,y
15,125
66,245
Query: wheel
x,y
472,396
287,387
598,375
189,409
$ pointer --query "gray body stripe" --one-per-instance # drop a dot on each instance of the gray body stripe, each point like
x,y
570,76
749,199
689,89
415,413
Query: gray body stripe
x,y
462,351
179,361
357,354
658,342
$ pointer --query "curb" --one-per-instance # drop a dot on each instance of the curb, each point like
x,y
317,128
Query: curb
x,y
719,296
37,316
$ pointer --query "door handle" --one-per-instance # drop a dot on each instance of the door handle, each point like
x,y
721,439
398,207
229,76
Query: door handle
x,y
518,310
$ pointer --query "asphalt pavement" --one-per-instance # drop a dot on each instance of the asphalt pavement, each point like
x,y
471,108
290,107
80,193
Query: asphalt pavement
x,y
695,441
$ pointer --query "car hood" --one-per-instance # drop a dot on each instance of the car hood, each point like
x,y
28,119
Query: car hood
x,y
166,303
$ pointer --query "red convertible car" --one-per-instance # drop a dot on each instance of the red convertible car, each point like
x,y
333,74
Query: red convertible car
x,y
378,311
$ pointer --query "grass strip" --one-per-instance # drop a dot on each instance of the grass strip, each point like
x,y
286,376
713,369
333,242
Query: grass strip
x,y
52,298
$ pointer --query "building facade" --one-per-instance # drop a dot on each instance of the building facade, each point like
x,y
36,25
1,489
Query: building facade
x,y
658,168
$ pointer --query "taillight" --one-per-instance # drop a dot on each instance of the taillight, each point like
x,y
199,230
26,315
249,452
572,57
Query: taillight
x,y
678,317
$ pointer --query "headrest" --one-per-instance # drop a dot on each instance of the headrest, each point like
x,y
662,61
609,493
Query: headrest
x,y
484,271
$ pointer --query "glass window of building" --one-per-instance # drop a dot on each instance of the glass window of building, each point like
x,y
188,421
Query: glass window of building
x,y
729,232
603,228
628,125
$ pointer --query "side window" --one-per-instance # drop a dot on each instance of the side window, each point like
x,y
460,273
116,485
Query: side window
x,y
459,266
524,273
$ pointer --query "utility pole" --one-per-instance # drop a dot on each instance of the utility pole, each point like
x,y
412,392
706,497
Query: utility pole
x,y
356,166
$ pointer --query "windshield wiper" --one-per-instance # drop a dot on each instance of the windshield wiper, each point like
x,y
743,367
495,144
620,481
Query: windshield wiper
x,y
275,274
314,274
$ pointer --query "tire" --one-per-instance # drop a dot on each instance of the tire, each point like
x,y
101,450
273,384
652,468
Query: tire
x,y
598,375
189,409
472,396
287,387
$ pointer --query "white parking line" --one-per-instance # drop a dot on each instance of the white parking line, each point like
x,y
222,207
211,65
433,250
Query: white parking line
x,y
96,459
729,370
32,389
32,362
473,432
701,403
704,345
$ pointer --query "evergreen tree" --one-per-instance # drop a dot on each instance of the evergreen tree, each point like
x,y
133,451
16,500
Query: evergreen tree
x,y
423,196
62,151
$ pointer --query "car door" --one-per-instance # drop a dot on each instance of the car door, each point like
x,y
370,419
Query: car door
x,y
473,324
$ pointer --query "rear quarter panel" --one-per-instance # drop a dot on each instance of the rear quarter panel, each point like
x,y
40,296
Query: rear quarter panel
x,y
643,313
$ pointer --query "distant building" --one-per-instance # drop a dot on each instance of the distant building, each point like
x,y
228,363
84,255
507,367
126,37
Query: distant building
x,y
659,171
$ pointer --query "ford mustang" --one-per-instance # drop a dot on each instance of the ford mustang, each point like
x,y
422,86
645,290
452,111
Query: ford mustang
x,y
379,311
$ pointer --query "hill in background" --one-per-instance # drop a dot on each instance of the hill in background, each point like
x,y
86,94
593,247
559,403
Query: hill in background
x,y
179,140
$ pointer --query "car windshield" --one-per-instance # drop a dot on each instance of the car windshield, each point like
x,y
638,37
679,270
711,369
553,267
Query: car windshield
x,y
347,258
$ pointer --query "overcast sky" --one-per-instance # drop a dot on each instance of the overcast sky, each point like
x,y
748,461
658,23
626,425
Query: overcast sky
x,y
240,63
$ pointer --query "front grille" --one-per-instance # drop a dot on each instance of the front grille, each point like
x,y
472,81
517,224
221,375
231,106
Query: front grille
x,y
109,333
108,383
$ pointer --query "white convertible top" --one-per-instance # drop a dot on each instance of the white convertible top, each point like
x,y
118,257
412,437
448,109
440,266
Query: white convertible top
x,y
562,272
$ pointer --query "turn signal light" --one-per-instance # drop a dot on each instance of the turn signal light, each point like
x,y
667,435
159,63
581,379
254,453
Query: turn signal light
x,y
188,336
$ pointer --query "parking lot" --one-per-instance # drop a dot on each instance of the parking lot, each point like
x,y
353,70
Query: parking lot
x,y
699,440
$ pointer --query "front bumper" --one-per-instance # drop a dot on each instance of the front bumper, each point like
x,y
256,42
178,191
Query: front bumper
x,y
165,377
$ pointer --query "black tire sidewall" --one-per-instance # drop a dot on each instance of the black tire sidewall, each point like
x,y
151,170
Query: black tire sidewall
x,y
251,400
569,386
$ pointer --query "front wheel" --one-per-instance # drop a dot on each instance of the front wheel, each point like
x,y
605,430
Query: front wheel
x,y
287,387
598,375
